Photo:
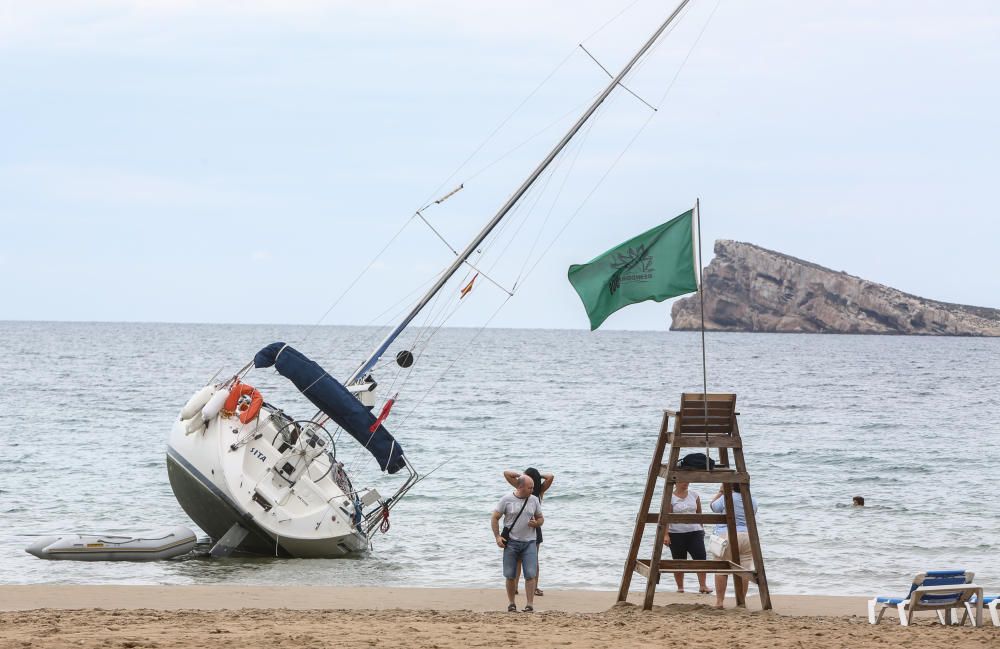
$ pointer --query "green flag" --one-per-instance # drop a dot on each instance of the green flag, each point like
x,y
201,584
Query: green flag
x,y
656,265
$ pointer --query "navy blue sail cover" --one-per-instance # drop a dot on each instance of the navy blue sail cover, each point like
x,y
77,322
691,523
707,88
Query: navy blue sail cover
x,y
330,396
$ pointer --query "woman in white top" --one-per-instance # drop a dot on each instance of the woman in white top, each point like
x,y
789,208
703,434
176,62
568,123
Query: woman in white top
x,y
686,538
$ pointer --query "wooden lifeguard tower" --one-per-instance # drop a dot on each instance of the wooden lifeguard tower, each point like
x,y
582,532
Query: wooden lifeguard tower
x,y
704,421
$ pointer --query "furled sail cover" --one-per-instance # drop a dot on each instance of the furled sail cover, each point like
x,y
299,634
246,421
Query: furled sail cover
x,y
330,396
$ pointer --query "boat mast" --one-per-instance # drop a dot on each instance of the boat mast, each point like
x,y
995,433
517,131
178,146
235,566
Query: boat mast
x,y
512,201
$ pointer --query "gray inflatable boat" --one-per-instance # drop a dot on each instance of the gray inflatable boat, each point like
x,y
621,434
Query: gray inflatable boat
x,y
152,546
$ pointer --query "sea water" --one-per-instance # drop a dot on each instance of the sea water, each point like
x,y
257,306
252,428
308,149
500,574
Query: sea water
x,y
908,423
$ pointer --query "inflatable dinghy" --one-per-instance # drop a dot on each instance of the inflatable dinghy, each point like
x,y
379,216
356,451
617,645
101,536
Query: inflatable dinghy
x,y
162,544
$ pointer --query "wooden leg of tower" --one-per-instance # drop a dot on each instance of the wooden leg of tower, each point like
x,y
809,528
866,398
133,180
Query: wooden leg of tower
x,y
640,519
672,459
758,555
661,528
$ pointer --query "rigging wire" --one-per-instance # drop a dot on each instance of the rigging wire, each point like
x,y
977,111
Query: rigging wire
x,y
472,155
583,138
576,109
358,278
488,278
439,313
483,249
608,72
465,350
536,199
613,19
536,194
521,214
569,113
521,105
397,309
434,230
579,147
499,127
627,146
429,317
523,211
429,200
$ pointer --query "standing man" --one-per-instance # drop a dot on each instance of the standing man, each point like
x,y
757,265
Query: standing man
x,y
522,514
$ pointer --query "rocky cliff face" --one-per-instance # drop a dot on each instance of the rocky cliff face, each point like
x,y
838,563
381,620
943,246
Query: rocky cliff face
x,y
748,288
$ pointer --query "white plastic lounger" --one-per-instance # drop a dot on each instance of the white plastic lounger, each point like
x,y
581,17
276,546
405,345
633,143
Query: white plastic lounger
x,y
990,603
935,590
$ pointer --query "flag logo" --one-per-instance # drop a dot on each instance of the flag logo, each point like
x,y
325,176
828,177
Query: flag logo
x,y
633,259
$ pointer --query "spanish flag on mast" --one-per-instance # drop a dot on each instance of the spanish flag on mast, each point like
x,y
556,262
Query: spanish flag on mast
x,y
468,287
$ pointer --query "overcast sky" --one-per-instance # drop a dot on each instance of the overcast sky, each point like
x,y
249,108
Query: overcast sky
x,y
244,161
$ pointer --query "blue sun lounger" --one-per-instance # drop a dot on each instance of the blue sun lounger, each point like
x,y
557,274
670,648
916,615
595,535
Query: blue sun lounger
x,y
935,590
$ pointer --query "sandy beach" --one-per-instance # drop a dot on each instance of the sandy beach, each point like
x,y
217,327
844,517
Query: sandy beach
x,y
191,616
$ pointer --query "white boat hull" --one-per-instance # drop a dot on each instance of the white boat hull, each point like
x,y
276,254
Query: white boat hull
x,y
227,473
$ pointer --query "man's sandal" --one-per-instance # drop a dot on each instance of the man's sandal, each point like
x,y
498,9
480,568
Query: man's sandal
x,y
529,609
512,608
538,592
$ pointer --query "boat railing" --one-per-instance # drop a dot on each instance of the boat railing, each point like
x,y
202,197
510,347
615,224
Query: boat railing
x,y
378,516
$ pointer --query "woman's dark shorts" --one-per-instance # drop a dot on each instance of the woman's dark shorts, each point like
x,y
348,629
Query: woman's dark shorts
x,y
685,543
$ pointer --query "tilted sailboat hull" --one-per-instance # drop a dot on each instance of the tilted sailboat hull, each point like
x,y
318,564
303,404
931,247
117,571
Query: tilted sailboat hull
x,y
212,513
228,473
210,509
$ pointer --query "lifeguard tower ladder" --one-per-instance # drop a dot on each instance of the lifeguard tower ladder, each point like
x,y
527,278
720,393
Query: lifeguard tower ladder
x,y
704,420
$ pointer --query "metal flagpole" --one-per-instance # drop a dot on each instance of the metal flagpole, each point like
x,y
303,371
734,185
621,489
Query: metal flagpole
x,y
701,299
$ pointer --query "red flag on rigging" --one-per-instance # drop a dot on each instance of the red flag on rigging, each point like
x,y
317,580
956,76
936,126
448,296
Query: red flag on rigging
x,y
382,415
468,287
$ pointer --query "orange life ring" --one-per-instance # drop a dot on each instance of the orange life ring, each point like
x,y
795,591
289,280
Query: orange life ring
x,y
247,411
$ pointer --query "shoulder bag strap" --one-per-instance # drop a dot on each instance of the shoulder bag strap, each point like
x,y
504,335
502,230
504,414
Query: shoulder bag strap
x,y
514,522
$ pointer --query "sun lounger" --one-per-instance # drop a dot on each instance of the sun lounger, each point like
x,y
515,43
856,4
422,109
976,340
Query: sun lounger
x,y
935,590
990,603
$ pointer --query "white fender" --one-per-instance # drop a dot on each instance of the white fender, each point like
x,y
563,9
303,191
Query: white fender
x,y
214,405
194,425
197,402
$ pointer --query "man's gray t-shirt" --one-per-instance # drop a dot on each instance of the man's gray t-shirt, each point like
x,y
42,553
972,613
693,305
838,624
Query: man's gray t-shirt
x,y
509,506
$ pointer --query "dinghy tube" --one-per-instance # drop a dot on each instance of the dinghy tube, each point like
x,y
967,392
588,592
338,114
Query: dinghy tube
x,y
152,546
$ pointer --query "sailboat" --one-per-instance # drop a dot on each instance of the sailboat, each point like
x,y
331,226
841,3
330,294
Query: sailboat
x,y
259,481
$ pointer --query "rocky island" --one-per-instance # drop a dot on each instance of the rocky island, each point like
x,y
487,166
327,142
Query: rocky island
x,y
749,288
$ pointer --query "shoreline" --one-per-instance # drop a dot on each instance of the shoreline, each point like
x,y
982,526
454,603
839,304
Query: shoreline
x,y
25,597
